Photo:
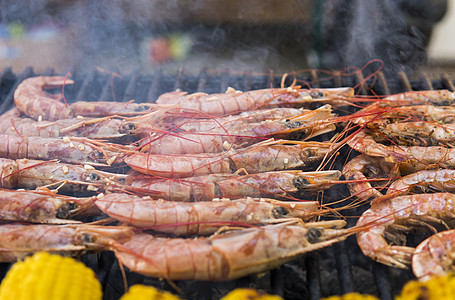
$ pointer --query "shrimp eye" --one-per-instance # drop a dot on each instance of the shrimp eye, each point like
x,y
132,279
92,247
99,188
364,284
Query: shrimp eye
x,y
87,238
313,234
280,211
93,176
141,108
293,125
300,182
316,95
130,126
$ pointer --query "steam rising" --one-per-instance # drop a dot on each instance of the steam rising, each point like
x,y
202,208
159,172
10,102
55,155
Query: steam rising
x,y
339,33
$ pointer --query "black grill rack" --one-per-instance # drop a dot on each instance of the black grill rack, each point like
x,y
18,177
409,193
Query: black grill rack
x,y
335,270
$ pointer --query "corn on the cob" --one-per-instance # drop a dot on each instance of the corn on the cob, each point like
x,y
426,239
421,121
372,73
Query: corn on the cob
x,y
45,276
249,294
142,292
436,288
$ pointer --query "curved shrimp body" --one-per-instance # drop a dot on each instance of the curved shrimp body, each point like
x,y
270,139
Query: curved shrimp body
x,y
30,174
385,224
261,157
77,151
224,256
442,180
200,218
103,128
434,256
19,241
236,101
363,167
437,97
33,101
410,159
42,207
419,133
277,184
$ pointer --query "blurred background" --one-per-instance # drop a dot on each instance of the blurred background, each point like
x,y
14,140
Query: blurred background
x,y
255,35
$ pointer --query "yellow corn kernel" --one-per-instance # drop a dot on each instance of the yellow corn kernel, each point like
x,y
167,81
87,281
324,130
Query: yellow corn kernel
x,y
142,292
45,276
352,296
249,294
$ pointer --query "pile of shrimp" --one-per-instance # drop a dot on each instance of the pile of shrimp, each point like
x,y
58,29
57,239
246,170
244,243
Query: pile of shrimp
x,y
229,182
406,172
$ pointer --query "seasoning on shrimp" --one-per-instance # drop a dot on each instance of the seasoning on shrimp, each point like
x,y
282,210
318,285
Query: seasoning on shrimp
x,y
70,150
266,156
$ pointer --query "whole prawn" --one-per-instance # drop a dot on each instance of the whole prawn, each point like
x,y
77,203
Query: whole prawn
x,y
410,159
434,256
201,218
418,133
282,184
228,255
266,156
101,128
385,224
236,101
71,150
31,174
43,207
301,127
442,180
19,240
34,102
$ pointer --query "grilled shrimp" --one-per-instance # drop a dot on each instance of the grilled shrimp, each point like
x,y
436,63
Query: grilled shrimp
x,y
436,97
302,127
236,101
102,128
226,256
442,180
410,159
390,218
43,207
19,241
201,218
30,174
266,156
34,102
418,133
74,150
434,256
363,167
205,188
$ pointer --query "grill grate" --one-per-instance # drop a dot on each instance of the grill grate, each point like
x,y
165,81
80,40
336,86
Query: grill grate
x,y
338,269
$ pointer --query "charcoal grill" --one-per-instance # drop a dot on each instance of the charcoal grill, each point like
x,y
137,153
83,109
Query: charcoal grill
x,y
334,270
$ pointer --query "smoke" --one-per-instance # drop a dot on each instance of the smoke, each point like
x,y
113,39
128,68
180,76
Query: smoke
x,y
396,32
